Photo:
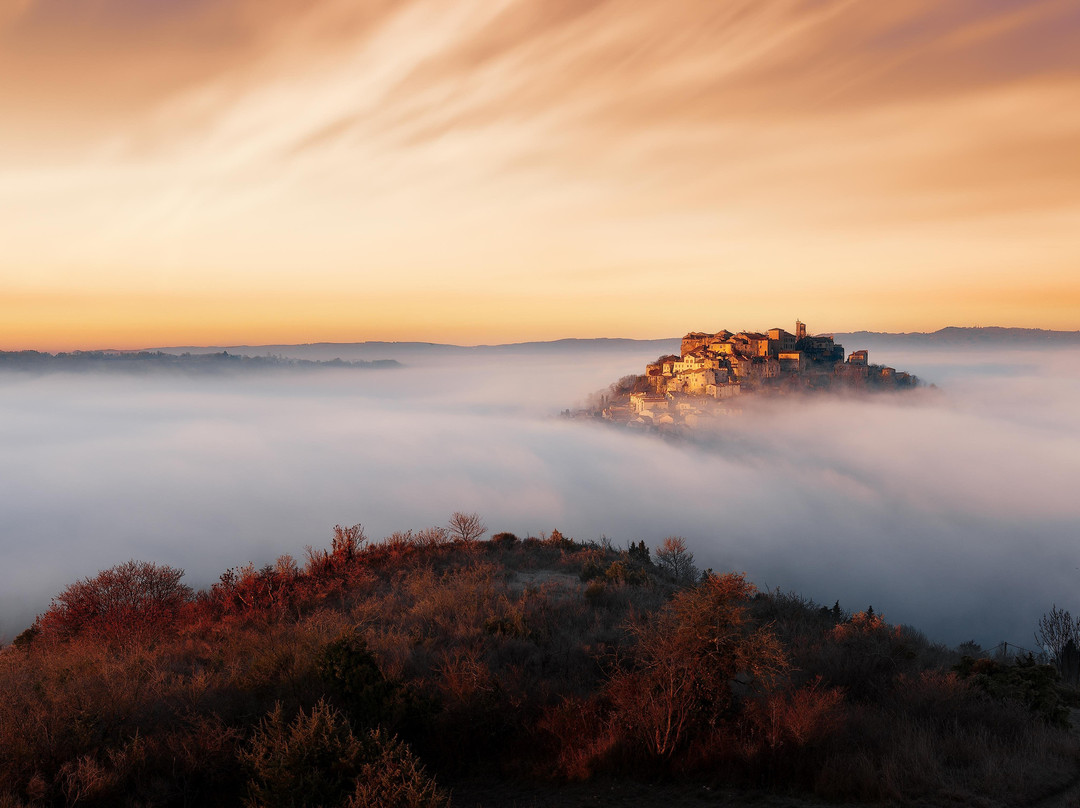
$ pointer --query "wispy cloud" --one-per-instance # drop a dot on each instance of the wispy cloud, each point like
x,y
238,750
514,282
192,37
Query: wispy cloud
x,y
473,146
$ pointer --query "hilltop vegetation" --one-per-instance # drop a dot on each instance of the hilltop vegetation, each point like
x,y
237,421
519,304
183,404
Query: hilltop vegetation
x,y
407,671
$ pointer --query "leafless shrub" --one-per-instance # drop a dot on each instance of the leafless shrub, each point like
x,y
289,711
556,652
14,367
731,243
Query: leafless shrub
x,y
84,779
431,537
399,541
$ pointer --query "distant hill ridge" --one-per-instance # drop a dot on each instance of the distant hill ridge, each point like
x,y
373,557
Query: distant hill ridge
x,y
557,344
971,336
951,336
958,336
412,351
149,361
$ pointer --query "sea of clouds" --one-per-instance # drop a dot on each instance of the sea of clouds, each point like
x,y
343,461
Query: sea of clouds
x,y
955,508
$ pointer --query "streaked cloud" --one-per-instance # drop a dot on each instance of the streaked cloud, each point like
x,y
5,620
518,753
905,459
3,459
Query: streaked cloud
x,y
524,150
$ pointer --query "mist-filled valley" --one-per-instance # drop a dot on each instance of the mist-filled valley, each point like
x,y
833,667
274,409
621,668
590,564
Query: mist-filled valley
x,y
952,508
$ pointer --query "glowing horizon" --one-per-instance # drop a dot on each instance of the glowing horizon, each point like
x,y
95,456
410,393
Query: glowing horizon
x,y
198,173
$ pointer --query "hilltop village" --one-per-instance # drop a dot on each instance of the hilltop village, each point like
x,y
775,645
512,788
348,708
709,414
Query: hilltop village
x,y
715,372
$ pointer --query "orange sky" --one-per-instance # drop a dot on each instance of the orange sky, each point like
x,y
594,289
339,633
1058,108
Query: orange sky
x,y
260,171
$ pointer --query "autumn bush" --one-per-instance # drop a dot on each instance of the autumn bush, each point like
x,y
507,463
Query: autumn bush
x,y
393,777
133,602
316,759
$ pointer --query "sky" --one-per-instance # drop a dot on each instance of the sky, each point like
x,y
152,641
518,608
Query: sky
x,y
209,172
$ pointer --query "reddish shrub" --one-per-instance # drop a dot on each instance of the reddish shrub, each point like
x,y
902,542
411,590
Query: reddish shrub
x,y
245,590
131,603
795,719
685,664
577,732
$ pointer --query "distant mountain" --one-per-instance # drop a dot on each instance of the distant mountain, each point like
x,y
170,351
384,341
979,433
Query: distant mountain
x,y
959,337
419,352
384,353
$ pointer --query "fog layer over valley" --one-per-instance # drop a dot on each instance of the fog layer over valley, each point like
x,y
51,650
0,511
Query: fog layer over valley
x,y
952,509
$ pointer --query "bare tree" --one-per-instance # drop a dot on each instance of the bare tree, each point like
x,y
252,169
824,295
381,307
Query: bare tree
x,y
673,558
1055,630
467,526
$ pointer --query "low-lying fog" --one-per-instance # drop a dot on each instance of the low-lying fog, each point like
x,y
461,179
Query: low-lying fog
x,y
954,509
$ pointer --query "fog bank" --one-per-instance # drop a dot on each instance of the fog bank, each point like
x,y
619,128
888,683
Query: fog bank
x,y
952,509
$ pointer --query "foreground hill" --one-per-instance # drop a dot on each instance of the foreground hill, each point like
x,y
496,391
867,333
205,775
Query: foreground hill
x,y
432,668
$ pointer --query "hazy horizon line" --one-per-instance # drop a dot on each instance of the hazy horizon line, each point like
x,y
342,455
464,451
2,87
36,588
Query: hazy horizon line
x,y
419,342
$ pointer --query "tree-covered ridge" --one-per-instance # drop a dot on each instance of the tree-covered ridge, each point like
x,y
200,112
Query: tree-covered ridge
x,y
147,361
400,672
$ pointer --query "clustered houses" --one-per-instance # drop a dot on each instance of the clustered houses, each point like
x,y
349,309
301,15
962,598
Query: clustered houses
x,y
719,365
715,368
